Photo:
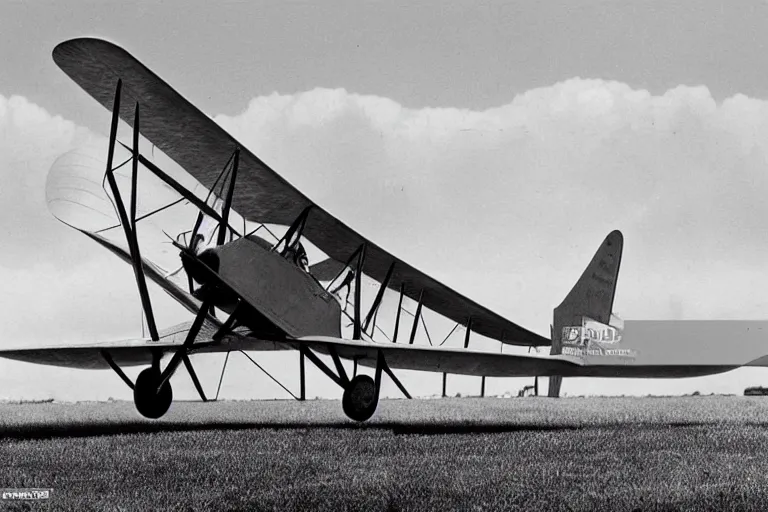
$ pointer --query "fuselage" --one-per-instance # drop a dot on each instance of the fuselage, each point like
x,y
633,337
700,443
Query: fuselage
x,y
280,298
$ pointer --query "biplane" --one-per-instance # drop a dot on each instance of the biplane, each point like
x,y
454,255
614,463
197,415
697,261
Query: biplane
x,y
251,290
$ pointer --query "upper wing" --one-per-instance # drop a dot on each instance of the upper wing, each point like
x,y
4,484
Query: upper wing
x,y
201,147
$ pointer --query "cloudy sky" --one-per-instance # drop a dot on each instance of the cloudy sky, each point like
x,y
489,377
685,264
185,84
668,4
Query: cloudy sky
x,y
493,145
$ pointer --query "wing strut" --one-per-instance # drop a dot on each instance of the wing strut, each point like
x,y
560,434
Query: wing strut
x,y
193,375
384,366
469,331
228,200
321,365
358,276
221,379
466,345
357,331
302,377
339,366
120,373
184,349
379,296
229,324
130,226
269,375
399,309
211,192
416,317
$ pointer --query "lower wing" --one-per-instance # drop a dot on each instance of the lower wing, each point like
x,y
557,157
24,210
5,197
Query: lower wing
x,y
398,356
489,364
138,351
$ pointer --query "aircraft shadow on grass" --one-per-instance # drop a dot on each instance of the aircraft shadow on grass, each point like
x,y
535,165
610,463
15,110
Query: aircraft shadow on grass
x,y
46,431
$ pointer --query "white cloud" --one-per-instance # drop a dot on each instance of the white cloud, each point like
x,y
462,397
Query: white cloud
x,y
536,183
30,140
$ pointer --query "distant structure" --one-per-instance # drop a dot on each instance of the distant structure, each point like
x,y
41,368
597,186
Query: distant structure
x,y
756,391
528,389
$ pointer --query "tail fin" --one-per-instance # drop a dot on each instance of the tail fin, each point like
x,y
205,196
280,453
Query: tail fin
x,y
591,297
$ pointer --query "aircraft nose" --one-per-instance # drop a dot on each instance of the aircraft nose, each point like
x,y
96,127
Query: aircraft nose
x,y
192,265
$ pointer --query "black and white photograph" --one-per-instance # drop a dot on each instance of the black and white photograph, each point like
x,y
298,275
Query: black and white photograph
x,y
367,255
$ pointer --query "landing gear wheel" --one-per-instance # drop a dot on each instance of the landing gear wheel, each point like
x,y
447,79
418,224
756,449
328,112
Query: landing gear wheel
x,y
359,401
148,401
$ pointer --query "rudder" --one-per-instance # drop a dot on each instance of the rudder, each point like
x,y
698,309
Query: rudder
x,y
592,296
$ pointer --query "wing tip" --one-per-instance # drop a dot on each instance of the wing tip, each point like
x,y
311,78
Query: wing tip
x,y
65,49
615,236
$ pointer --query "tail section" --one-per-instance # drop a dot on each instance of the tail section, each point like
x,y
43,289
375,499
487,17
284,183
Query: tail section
x,y
589,305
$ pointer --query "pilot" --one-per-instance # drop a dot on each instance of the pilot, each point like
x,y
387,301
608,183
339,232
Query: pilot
x,y
298,256
302,260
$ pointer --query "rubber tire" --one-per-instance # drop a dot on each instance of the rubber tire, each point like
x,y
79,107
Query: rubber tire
x,y
359,400
148,401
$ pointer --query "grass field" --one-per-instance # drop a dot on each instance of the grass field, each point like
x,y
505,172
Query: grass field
x,y
689,453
